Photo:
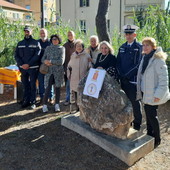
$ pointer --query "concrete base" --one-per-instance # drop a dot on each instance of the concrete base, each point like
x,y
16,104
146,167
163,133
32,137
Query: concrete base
x,y
129,151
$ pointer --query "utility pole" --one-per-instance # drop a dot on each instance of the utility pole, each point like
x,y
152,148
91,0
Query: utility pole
x,y
42,13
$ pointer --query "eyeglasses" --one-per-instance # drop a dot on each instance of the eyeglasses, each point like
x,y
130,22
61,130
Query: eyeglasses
x,y
54,39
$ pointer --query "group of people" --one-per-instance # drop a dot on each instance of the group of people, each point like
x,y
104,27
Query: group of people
x,y
140,69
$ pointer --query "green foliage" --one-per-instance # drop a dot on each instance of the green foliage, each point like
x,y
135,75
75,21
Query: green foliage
x,y
155,22
117,40
152,21
11,32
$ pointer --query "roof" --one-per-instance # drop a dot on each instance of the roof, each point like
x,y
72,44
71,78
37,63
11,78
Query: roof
x,y
12,6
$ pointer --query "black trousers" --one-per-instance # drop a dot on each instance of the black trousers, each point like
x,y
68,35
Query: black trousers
x,y
28,78
152,121
130,90
48,90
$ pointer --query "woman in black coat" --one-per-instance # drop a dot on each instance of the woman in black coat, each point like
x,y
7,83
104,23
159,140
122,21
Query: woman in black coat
x,y
106,60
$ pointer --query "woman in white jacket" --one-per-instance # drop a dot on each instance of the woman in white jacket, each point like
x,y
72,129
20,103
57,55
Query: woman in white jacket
x,y
152,84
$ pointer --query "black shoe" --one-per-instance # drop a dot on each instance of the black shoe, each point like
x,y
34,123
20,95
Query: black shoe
x,y
157,143
66,103
25,104
136,127
40,102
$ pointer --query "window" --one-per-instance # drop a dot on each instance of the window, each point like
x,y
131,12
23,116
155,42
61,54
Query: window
x,y
15,15
110,2
84,3
27,17
83,26
10,1
27,7
108,25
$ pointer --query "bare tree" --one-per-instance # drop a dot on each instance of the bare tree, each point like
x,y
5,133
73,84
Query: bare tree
x,y
101,22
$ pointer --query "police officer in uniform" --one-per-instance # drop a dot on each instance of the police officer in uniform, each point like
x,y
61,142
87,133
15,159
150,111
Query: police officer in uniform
x,y
128,60
27,58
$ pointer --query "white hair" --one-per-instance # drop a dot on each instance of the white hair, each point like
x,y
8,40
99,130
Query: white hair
x,y
72,32
95,37
45,31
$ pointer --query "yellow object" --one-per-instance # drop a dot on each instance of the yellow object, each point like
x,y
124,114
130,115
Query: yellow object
x,y
9,76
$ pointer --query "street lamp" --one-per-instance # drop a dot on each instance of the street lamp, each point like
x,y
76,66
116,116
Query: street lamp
x,y
42,13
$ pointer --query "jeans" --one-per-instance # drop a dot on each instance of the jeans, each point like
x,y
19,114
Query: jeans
x,y
47,91
28,78
42,88
68,90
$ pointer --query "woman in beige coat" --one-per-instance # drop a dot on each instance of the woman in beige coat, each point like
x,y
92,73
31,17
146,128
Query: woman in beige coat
x,y
78,67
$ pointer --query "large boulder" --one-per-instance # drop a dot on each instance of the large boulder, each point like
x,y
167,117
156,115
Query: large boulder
x,y
111,113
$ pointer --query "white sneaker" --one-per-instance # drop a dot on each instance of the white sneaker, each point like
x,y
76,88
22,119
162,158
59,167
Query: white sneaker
x,y
57,108
33,106
45,108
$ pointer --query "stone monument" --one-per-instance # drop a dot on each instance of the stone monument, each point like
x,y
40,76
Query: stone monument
x,y
111,113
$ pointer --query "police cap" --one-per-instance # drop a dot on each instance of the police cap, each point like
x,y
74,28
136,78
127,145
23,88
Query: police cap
x,y
130,28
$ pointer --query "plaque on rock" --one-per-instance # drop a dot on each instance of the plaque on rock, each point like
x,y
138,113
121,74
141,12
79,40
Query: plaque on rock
x,y
111,113
94,82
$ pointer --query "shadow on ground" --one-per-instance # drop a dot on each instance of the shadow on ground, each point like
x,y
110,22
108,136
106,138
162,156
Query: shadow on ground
x,y
51,146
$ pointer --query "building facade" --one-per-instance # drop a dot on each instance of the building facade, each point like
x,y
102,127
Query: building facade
x,y
35,6
14,12
81,13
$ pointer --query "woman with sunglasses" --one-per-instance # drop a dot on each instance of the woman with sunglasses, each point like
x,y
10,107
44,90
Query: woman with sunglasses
x,y
54,57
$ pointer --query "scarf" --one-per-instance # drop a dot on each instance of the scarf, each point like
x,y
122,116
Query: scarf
x,y
146,59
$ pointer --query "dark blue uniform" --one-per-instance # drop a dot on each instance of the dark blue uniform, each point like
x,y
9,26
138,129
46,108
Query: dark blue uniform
x,y
27,52
128,61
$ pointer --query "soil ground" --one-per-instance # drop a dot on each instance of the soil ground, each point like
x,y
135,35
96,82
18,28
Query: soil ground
x,y
32,140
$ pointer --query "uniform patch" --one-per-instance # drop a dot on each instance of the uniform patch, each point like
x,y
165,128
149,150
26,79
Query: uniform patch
x,y
21,46
32,46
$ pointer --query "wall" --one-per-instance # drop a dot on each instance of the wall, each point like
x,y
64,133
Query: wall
x,y
35,7
119,13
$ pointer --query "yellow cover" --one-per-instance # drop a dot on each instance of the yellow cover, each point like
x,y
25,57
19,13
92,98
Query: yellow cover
x,y
9,76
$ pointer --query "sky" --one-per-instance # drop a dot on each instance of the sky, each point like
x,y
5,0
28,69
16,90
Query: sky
x,y
166,3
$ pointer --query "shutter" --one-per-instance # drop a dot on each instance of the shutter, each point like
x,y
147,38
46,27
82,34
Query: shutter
x,y
81,3
87,3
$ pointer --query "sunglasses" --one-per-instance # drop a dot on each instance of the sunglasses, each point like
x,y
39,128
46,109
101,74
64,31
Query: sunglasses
x,y
54,39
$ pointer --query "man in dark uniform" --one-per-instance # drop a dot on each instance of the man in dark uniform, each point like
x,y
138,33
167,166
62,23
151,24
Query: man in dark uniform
x,y
27,58
128,60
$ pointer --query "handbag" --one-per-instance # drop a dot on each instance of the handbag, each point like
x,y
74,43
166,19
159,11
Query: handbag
x,y
43,68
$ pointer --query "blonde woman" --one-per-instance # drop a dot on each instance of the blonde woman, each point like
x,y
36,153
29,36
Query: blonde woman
x,y
152,84
106,60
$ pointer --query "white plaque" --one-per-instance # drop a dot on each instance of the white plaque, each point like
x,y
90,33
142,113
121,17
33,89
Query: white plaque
x,y
94,82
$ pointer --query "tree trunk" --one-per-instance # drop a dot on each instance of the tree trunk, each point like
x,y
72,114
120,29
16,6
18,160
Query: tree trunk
x,y
101,22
